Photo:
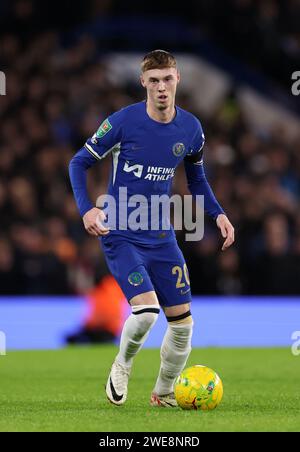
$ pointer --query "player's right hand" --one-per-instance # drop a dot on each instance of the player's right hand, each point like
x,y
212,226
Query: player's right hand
x,y
92,221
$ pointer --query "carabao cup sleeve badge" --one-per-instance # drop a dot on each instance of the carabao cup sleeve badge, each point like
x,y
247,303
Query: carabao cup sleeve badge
x,y
135,278
104,128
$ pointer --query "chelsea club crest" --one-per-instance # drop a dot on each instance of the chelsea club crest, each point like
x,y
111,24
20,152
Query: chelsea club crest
x,y
178,149
135,278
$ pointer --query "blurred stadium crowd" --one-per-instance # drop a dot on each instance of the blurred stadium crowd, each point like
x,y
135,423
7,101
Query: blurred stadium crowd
x,y
56,97
265,34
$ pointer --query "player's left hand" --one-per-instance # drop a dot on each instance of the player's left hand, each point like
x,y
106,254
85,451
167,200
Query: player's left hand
x,y
227,230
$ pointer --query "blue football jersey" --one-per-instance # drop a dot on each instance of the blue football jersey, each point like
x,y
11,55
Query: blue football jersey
x,y
145,154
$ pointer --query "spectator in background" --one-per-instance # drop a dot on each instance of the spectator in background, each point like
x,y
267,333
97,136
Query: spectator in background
x,y
274,270
229,281
107,309
8,269
201,261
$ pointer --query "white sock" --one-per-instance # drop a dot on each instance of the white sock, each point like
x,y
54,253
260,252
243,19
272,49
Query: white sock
x,y
135,332
175,350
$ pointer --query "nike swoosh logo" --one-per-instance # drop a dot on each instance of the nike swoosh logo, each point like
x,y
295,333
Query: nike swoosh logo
x,y
116,396
184,292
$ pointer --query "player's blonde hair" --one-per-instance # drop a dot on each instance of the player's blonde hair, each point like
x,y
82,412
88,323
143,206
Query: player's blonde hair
x,y
158,59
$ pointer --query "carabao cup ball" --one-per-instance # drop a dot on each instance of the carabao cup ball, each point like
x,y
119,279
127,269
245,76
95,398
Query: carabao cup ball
x,y
198,388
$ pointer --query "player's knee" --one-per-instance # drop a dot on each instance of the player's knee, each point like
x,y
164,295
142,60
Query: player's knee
x,y
181,319
181,330
145,316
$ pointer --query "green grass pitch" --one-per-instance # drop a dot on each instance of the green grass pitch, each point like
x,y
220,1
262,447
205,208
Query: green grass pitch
x,y
63,390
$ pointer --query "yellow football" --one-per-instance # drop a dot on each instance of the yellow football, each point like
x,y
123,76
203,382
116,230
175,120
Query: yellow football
x,y
198,388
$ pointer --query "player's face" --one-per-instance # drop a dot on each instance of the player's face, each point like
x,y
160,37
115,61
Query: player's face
x,y
161,85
